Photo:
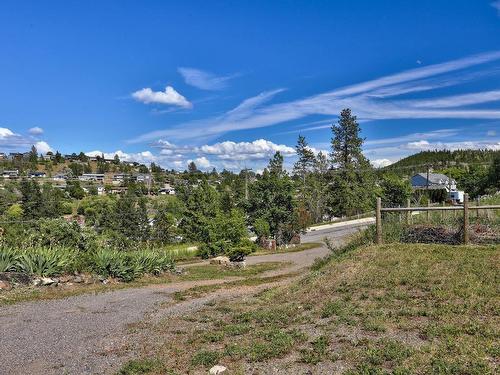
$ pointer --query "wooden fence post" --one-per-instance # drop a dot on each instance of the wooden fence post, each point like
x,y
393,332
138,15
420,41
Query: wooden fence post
x,y
408,213
378,219
478,199
428,211
466,218
443,212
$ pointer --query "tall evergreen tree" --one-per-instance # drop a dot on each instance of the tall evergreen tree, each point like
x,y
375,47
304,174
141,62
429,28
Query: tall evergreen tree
x,y
351,189
304,165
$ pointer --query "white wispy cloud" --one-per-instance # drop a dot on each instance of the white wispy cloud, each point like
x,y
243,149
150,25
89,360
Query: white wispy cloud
x,y
496,5
434,134
35,131
12,141
457,100
375,99
204,80
168,97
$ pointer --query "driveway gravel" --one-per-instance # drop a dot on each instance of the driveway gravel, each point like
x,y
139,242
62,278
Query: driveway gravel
x,y
92,333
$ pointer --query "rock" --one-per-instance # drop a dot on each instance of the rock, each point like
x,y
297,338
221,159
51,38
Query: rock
x,y
15,278
217,369
44,281
77,279
220,260
105,281
238,264
5,285
37,282
65,278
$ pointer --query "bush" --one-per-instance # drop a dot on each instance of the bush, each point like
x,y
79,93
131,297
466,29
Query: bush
x,y
235,252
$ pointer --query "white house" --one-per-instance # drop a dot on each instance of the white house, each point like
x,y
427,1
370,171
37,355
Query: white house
x,y
436,181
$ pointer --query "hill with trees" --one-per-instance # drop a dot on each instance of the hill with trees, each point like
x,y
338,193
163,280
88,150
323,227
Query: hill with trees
x,y
444,159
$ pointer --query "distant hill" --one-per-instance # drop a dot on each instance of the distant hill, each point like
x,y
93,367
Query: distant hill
x,y
442,159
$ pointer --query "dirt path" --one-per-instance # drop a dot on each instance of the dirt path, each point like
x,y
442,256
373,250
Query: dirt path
x,y
90,334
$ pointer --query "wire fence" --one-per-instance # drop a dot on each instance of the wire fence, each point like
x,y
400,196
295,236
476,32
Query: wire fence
x,y
461,215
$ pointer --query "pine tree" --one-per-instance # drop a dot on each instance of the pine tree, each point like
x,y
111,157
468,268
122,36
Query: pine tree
x,y
33,156
192,168
304,165
351,191
275,166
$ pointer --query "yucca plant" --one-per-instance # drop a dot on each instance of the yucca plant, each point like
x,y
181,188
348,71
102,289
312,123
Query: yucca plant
x,y
46,261
112,263
9,260
153,262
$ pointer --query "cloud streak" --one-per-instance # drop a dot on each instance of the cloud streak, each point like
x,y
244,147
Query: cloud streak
x,y
375,99
204,80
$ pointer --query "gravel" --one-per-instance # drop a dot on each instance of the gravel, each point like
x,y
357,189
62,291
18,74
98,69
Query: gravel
x,y
91,334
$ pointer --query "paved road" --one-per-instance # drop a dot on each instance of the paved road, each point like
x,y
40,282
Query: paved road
x,y
89,334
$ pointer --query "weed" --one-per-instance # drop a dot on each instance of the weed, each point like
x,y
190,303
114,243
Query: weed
x,y
205,358
141,366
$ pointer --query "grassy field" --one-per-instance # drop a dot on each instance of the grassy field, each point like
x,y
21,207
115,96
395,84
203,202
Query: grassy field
x,y
401,309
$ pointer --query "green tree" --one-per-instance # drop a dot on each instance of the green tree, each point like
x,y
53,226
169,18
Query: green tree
x,y
74,189
58,158
351,190
164,226
271,199
304,165
31,199
33,156
395,190
493,179
201,204
192,168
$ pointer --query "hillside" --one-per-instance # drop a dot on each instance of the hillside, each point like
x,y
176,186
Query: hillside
x,y
443,159
401,309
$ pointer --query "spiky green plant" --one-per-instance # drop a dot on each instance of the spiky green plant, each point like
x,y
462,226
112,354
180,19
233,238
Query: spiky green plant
x,y
46,261
9,260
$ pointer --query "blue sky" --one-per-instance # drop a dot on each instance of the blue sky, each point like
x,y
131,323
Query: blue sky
x,y
228,83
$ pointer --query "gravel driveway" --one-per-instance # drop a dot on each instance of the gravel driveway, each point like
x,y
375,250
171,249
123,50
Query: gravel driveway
x,y
90,334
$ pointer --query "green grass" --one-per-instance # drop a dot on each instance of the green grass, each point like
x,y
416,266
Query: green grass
x,y
213,271
141,366
402,309
293,249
